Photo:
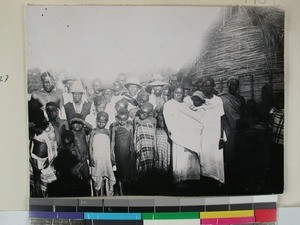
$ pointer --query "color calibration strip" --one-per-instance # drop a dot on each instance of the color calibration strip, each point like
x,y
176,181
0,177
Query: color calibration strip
x,y
218,210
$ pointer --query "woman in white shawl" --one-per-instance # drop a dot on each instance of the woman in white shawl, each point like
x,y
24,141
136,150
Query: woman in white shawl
x,y
185,133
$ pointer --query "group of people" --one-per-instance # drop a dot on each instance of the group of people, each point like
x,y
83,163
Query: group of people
x,y
121,137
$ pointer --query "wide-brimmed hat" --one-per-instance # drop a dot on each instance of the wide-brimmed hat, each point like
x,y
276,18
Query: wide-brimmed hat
x,y
199,94
68,78
157,80
133,80
76,86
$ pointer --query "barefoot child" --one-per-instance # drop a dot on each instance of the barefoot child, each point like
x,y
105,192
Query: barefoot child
x,y
101,158
163,161
68,167
80,129
99,105
145,139
122,146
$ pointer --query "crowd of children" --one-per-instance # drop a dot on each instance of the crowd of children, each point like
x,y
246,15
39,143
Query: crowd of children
x,y
113,141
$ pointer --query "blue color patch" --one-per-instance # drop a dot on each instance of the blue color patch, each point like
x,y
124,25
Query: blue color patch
x,y
112,216
56,215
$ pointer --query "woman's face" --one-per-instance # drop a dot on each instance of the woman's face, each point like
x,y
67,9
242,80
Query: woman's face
x,y
178,95
207,88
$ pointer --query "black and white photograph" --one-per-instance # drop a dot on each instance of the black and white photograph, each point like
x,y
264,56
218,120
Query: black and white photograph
x,y
155,100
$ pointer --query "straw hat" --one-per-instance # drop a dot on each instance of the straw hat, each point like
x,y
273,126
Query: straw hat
x,y
76,86
133,80
158,80
199,94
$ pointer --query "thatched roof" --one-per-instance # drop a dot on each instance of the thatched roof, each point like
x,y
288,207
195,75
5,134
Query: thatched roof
x,y
244,41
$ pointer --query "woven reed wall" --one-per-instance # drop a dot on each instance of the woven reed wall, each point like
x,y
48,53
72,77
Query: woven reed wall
x,y
248,43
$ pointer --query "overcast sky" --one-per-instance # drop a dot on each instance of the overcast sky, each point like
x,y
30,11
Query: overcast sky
x,y
102,41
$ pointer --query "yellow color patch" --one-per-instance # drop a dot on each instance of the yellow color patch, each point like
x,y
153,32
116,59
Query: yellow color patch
x,y
227,214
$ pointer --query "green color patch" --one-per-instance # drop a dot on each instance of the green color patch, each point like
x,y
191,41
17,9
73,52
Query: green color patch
x,y
170,216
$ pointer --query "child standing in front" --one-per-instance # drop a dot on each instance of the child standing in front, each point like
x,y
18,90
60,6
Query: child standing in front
x,y
81,129
163,144
145,140
102,158
122,145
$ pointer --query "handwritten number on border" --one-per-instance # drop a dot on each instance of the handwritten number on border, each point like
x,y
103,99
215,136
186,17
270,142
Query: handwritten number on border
x,y
4,78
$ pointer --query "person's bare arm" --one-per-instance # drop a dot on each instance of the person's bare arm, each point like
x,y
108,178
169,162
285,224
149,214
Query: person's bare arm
x,y
84,123
112,146
92,162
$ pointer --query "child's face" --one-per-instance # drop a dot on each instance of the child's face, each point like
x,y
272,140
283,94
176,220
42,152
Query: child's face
x,y
122,119
100,107
77,126
165,95
197,101
101,122
108,94
143,99
144,113
67,142
52,112
119,106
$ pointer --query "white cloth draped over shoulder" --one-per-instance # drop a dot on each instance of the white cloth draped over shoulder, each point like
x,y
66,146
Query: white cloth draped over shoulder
x,y
199,131
212,161
184,125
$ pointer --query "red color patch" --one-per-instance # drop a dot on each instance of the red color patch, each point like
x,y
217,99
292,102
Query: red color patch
x,y
265,215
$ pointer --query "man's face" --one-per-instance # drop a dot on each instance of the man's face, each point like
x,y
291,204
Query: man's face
x,y
47,83
101,122
77,97
52,112
233,86
157,90
178,94
107,94
97,87
118,88
173,80
132,89
207,88
144,113
122,119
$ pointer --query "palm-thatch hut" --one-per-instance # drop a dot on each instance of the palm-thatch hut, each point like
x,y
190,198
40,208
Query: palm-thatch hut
x,y
247,42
